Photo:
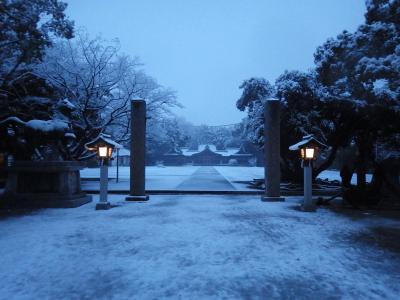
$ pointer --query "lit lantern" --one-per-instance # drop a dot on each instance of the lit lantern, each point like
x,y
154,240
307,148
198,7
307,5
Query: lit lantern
x,y
309,148
104,146
308,153
103,151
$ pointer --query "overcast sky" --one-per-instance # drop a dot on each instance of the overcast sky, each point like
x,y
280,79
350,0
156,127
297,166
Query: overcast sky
x,y
204,49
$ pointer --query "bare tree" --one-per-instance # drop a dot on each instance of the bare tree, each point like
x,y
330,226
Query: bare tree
x,y
100,81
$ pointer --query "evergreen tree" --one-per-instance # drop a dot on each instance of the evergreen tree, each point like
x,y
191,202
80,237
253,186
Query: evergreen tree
x,y
360,72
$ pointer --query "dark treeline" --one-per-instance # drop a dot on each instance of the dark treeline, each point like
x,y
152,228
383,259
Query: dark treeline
x,y
350,100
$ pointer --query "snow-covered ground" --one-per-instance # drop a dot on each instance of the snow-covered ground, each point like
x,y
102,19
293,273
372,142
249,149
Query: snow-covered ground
x,y
199,247
157,178
248,173
169,178
334,175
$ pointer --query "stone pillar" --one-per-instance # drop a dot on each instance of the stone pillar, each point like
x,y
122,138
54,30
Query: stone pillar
x,y
138,151
308,204
272,169
103,204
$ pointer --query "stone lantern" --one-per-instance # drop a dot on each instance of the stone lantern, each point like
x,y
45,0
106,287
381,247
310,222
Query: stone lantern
x,y
104,146
308,149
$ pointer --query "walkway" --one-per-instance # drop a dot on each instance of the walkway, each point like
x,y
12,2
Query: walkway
x,y
199,247
206,179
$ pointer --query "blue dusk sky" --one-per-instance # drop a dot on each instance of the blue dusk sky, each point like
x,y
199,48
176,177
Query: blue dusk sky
x,y
204,49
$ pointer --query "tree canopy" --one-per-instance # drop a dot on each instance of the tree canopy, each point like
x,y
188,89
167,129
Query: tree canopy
x,y
352,95
42,61
27,28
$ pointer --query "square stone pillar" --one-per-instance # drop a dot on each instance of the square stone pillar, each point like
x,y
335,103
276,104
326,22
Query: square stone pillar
x,y
138,152
272,153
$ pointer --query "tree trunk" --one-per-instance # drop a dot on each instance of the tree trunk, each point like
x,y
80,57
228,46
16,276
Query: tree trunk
x,y
361,177
361,163
327,163
346,174
290,171
361,169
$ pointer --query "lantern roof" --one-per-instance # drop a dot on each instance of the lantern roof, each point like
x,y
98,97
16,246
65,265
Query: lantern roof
x,y
103,139
308,140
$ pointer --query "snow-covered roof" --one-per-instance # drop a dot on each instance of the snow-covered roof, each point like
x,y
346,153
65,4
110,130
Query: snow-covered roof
x,y
103,138
308,139
207,151
213,148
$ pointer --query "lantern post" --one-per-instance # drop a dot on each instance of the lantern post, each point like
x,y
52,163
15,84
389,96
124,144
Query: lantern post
x,y
104,146
308,148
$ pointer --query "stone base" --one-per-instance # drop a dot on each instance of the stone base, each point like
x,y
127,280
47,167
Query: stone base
x,y
103,206
44,201
137,198
41,184
272,199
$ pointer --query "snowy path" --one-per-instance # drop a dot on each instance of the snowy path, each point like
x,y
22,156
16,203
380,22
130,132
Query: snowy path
x,y
206,179
170,178
199,247
157,178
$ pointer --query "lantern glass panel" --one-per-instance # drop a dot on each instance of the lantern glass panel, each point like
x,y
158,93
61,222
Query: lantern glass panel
x,y
103,151
302,153
309,153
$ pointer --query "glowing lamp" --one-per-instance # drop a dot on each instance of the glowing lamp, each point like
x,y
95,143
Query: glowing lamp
x,y
308,147
103,151
103,145
308,153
